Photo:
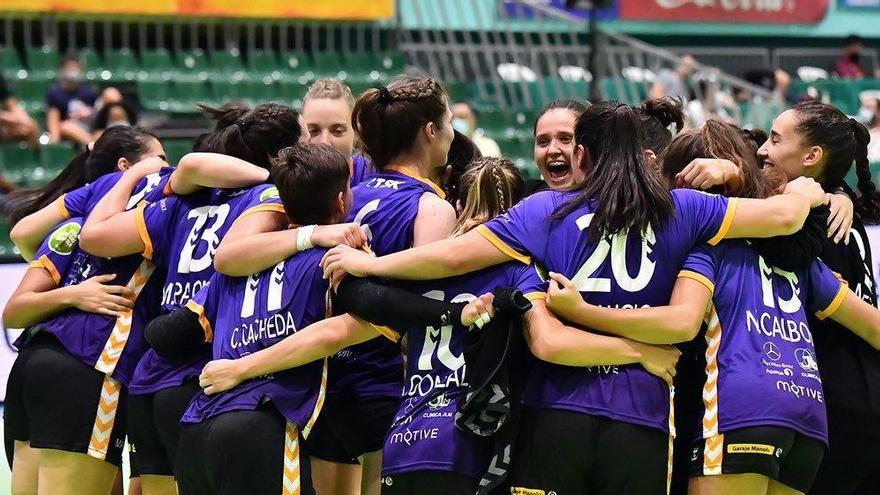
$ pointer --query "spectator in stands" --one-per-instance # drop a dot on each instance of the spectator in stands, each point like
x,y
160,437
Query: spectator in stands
x,y
874,131
464,120
113,114
674,82
706,101
72,104
847,65
15,123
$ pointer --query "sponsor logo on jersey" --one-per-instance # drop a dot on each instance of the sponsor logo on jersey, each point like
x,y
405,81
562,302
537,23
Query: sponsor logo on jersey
x,y
270,193
64,238
516,490
751,448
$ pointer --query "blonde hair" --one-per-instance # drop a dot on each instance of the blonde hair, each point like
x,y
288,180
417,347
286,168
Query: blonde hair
x,y
493,186
329,89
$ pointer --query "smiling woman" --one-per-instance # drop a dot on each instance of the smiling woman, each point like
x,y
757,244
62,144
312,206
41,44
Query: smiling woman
x,y
554,143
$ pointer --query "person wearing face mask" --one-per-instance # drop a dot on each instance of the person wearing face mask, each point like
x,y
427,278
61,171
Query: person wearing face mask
x,y
71,103
847,65
464,120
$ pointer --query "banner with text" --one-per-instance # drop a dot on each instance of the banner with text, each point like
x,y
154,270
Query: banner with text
x,y
294,9
741,11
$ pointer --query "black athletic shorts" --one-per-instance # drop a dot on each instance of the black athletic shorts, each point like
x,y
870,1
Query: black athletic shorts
x,y
852,465
325,445
238,452
571,453
54,401
778,453
358,426
154,427
429,483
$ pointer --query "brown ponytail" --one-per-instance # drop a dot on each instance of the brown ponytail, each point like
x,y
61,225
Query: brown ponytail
x,y
387,120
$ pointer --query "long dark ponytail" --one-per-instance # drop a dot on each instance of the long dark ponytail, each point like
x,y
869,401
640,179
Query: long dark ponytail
x,y
115,143
626,193
844,141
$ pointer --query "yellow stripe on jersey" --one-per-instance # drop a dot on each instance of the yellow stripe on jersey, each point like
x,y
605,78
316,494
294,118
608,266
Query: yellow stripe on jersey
x,y
835,303
726,223
386,332
266,207
142,231
203,320
502,246
437,189
319,403
62,208
167,190
536,296
45,263
699,278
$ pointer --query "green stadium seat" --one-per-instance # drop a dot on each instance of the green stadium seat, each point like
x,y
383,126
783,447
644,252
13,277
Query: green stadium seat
x,y
7,248
176,148
291,92
458,91
296,66
153,94
10,63
122,65
91,63
56,156
264,62
391,63
329,64
186,94
226,62
31,93
493,122
256,91
18,161
42,61
363,68
193,62
156,64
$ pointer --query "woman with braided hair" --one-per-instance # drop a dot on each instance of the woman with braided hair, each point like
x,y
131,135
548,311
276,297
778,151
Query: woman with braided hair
x,y
179,235
818,140
406,129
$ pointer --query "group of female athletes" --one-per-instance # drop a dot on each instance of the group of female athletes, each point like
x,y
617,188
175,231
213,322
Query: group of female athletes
x,y
282,314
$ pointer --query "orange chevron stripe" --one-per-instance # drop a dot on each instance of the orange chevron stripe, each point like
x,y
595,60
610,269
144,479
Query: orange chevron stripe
x,y
319,404
290,481
672,433
102,431
713,455
710,388
118,337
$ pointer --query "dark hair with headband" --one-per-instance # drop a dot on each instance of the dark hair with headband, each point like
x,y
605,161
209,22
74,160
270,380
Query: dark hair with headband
x,y
388,119
255,136
843,141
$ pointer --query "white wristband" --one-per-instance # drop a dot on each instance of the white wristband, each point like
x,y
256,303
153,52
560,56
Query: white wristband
x,y
304,238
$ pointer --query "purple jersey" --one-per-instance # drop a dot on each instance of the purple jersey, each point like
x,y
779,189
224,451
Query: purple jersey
x,y
758,343
246,314
621,271
423,436
81,201
180,235
386,205
361,170
111,345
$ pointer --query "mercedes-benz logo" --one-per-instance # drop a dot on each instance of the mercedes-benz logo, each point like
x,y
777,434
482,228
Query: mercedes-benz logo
x,y
772,351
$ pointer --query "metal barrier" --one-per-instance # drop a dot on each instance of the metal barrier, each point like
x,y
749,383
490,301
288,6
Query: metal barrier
x,y
526,53
790,59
